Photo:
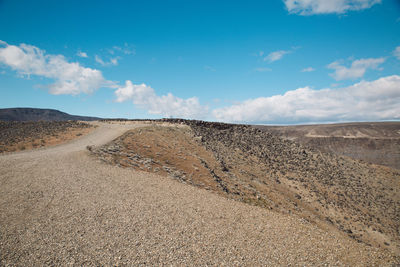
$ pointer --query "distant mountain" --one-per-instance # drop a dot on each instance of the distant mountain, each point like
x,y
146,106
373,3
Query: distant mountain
x,y
38,114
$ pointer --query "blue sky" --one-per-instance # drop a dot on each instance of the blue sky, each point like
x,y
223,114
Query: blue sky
x,y
271,61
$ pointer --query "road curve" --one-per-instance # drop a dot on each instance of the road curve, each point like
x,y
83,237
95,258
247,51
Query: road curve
x,y
61,206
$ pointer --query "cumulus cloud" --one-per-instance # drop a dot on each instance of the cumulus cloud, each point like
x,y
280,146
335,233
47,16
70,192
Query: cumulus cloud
x,y
168,105
69,78
356,70
72,78
277,55
396,52
111,61
82,54
310,7
363,101
309,69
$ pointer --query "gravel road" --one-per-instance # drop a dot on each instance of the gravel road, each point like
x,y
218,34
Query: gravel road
x,y
61,206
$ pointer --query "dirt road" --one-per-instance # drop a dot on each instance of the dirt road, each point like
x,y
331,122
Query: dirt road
x,y
61,206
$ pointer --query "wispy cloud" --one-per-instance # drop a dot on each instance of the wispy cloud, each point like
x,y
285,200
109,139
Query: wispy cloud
x,y
82,54
69,77
110,62
258,54
125,49
276,55
311,7
116,52
356,70
309,69
364,101
396,52
168,105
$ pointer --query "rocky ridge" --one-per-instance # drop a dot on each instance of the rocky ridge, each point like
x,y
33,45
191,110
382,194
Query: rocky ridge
x,y
260,168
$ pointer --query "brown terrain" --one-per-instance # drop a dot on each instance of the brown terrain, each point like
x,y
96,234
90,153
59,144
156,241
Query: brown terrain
x,y
177,192
260,168
17,136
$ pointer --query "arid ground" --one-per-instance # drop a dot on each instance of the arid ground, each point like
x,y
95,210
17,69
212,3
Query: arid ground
x,y
17,136
194,193
372,142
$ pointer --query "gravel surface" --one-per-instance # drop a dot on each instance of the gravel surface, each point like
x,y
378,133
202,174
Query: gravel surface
x,y
21,135
60,206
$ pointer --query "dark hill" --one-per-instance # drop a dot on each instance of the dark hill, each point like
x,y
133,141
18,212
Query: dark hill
x,y
38,114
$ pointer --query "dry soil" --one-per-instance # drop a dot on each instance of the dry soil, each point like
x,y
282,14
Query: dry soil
x,y
61,206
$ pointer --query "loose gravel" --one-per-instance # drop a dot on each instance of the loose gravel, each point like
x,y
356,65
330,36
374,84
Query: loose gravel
x,y
60,206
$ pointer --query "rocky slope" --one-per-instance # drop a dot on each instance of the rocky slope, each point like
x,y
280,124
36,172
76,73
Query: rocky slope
x,y
258,167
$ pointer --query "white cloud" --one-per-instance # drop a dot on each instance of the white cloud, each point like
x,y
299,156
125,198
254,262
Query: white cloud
x,y
277,55
70,78
356,70
310,7
168,105
82,54
364,101
112,61
396,52
309,69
